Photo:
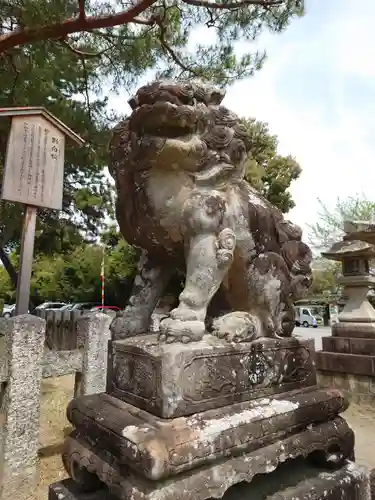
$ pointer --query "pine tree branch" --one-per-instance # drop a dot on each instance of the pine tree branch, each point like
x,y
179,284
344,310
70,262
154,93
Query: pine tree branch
x,y
83,23
233,5
82,53
160,21
75,25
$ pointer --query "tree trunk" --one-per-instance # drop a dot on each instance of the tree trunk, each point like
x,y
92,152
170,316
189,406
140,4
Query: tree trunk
x,y
13,275
10,269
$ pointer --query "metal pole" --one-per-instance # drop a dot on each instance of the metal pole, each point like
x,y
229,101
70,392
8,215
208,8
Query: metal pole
x,y
26,261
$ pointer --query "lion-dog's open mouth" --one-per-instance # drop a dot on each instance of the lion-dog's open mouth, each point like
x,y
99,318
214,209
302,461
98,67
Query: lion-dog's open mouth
x,y
170,110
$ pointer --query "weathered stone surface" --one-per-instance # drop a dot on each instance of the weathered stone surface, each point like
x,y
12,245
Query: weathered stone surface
x,y
179,165
357,388
350,482
59,363
93,337
352,329
69,490
170,380
347,345
330,442
325,380
3,363
346,363
24,347
159,447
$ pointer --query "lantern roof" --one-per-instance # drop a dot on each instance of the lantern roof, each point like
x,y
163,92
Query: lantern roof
x,y
350,249
360,230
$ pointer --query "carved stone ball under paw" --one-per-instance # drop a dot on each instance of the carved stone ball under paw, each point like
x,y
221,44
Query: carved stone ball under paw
x,y
238,326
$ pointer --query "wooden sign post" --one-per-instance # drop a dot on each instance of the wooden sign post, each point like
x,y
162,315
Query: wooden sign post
x,y
33,176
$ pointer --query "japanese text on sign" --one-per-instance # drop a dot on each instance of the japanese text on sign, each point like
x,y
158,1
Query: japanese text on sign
x,y
34,164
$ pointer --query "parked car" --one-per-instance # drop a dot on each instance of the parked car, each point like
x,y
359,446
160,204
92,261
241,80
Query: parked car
x,y
304,316
83,306
8,310
50,305
67,307
105,309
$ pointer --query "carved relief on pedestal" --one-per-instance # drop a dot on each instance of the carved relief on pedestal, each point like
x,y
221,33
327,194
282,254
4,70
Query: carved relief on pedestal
x,y
169,380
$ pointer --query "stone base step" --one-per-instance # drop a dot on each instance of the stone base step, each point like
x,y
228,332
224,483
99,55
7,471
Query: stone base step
x,y
328,444
352,329
357,364
348,345
158,448
296,479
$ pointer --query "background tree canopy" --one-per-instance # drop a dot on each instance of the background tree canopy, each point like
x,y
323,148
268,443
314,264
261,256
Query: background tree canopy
x,y
326,274
269,172
51,77
74,276
329,227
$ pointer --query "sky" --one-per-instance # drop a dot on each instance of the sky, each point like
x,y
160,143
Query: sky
x,y
317,93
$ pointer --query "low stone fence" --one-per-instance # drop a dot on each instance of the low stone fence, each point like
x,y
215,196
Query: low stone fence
x,y
24,361
61,328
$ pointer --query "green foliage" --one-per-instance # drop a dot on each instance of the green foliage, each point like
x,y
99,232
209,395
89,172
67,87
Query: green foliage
x,y
325,278
267,171
329,227
7,290
75,275
49,76
120,270
157,39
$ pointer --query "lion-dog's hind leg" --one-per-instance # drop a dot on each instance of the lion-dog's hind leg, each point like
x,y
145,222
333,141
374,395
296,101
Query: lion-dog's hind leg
x,y
149,284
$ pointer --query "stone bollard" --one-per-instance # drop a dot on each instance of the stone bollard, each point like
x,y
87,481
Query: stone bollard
x,y
93,336
24,349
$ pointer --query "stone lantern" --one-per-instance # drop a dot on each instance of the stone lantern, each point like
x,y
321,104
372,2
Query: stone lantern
x,y
347,360
357,279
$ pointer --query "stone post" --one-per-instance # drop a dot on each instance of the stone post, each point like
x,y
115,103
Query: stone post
x,y
24,349
347,361
93,336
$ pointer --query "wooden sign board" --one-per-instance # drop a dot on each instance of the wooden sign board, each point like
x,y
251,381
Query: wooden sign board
x,y
33,176
34,165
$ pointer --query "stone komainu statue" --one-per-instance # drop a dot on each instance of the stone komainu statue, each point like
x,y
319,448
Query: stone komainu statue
x,y
179,165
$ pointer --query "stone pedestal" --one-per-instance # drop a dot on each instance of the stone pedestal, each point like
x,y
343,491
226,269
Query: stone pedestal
x,y
187,422
170,380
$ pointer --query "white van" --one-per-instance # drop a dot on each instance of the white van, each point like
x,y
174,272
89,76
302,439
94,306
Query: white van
x,y
305,317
